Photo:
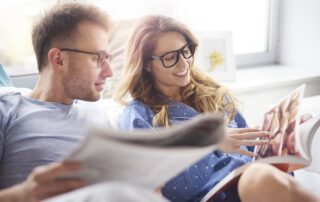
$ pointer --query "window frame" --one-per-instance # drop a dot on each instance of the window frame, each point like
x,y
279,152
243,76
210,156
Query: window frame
x,y
251,59
270,55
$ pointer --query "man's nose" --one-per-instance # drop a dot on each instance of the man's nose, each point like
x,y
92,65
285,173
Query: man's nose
x,y
106,70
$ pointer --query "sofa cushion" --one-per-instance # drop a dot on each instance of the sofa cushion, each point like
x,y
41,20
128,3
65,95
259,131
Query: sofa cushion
x,y
4,78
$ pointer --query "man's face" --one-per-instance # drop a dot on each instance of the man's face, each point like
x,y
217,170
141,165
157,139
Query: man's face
x,y
86,73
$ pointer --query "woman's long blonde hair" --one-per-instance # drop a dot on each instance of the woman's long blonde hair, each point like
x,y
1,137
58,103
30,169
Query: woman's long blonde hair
x,y
202,93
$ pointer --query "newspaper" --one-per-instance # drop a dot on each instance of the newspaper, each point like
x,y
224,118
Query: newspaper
x,y
147,158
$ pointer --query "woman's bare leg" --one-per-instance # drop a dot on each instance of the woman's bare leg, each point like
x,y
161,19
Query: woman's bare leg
x,y
265,183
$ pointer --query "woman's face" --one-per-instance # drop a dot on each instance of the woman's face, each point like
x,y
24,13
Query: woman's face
x,y
170,80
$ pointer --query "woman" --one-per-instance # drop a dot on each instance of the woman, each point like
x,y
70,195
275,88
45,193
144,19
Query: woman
x,y
167,89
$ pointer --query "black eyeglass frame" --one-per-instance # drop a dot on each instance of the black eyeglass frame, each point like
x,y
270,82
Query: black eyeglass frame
x,y
179,51
101,54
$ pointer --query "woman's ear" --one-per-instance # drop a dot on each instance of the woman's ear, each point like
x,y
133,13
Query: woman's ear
x,y
148,68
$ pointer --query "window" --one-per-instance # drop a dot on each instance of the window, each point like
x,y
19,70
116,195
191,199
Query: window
x,y
252,23
16,18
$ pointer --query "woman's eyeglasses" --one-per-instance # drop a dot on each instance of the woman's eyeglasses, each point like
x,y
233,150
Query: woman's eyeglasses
x,y
171,58
102,56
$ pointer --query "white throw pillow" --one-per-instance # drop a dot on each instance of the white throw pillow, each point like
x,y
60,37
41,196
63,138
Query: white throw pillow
x,y
113,110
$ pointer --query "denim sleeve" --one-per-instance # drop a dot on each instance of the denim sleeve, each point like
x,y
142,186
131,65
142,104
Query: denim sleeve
x,y
136,115
240,120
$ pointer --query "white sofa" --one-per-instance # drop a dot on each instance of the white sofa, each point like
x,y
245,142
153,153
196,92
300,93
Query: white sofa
x,y
309,179
311,105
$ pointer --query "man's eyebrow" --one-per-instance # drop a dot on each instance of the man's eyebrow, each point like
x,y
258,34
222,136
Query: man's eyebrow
x,y
104,51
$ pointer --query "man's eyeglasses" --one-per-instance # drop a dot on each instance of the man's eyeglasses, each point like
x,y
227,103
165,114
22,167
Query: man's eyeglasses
x,y
102,56
171,58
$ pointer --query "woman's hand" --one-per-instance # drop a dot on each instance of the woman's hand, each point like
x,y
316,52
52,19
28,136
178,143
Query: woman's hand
x,y
238,137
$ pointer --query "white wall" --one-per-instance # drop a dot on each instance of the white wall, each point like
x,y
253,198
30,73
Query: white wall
x,y
299,47
256,102
299,33
298,50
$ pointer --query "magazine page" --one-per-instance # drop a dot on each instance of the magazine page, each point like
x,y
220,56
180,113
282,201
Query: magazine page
x,y
146,158
282,120
309,139
315,163
307,133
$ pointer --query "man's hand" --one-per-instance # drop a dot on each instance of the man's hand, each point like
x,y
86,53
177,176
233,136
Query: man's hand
x,y
43,182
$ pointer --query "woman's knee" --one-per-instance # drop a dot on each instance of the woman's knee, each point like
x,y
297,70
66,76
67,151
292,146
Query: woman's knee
x,y
261,181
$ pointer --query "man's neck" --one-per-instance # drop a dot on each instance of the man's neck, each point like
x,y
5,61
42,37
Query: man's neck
x,y
48,89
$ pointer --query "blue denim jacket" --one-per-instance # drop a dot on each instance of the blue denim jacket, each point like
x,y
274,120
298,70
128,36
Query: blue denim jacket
x,y
194,182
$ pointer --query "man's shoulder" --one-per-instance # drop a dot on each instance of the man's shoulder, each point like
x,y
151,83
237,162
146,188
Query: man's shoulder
x,y
9,94
9,105
10,98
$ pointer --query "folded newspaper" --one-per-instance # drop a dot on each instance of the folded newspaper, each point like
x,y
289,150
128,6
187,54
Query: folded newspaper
x,y
146,157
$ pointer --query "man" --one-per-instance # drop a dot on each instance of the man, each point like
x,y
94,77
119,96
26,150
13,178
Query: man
x,y
71,46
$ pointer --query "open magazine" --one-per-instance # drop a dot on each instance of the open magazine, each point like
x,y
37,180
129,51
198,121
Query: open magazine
x,y
145,157
290,144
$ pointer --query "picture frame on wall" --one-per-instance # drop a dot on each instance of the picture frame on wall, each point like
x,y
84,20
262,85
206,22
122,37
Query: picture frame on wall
x,y
215,55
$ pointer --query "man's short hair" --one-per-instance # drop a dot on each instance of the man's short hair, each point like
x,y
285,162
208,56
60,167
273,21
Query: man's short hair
x,y
58,25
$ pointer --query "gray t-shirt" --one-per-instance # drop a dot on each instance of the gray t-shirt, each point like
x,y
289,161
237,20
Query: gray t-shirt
x,y
34,133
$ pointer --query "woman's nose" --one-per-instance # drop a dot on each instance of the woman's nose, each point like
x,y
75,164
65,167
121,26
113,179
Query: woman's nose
x,y
182,61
